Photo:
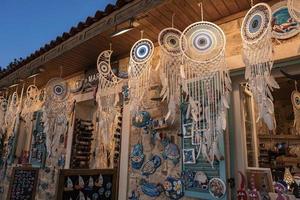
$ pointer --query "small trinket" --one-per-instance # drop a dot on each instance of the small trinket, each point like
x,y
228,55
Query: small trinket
x,y
137,156
150,166
173,188
217,188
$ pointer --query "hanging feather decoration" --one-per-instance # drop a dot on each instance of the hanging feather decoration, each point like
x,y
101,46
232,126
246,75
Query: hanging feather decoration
x,y
107,97
256,34
55,112
295,98
170,61
207,83
139,71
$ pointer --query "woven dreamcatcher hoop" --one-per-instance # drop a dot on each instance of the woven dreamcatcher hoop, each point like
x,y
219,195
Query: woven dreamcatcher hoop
x,y
294,9
139,71
256,34
207,84
170,61
109,88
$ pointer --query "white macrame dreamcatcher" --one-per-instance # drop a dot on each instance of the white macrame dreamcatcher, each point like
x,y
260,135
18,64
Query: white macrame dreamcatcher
x,y
109,88
3,108
294,9
139,71
170,61
32,103
55,112
207,84
256,34
295,98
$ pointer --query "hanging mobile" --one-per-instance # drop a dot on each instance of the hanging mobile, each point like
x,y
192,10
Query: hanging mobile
x,y
256,35
139,71
170,61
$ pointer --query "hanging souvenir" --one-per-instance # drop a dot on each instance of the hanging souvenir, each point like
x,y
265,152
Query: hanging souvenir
x,y
283,25
189,156
280,189
137,156
108,91
150,166
295,98
294,9
141,119
241,193
207,84
201,180
99,181
170,61
139,71
55,115
69,185
256,34
171,151
151,189
173,188
217,188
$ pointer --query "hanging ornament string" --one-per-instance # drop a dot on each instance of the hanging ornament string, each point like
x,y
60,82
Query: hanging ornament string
x,y
200,5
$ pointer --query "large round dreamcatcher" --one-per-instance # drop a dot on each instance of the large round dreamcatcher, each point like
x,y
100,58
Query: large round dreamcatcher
x,y
294,9
139,70
256,32
57,93
107,96
170,60
206,83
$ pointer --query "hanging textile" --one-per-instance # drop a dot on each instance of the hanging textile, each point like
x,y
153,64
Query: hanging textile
x,y
256,34
107,97
207,84
139,71
170,61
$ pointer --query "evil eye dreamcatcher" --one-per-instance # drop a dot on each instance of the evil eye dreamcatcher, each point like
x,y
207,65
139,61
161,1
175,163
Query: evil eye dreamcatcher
x,y
139,70
57,92
256,35
294,9
207,84
109,88
170,60
295,98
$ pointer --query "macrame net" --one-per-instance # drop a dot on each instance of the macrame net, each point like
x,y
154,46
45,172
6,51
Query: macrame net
x,y
258,58
207,84
139,72
107,97
170,61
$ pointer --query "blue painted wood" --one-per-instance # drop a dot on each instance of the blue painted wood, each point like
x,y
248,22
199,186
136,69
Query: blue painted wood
x,y
219,170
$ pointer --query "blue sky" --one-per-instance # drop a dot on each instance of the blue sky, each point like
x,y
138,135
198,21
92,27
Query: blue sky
x,y
26,25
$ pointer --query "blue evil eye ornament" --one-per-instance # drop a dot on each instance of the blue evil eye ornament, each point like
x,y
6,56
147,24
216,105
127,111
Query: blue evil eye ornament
x,y
257,23
141,119
150,166
151,189
137,156
142,51
171,151
173,188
